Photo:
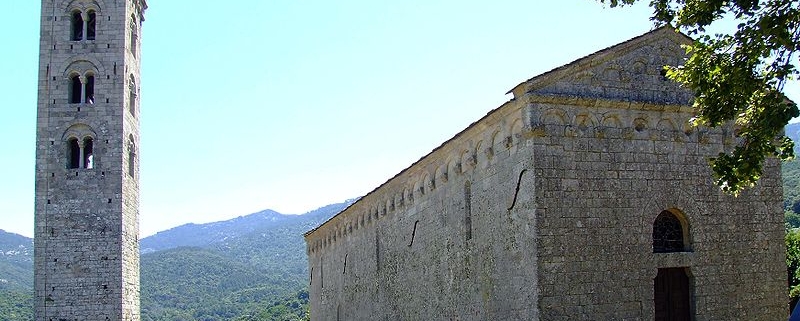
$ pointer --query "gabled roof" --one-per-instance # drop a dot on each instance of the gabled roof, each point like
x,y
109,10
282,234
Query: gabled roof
x,y
539,81
597,58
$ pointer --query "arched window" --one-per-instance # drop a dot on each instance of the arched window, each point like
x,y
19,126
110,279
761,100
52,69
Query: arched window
x,y
76,26
89,89
669,233
74,151
134,37
75,89
131,157
132,96
91,25
79,139
88,153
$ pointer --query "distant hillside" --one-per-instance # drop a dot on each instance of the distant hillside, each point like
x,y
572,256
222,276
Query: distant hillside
x,y
204,234
253,265
245,266
16,261
16,277
793,131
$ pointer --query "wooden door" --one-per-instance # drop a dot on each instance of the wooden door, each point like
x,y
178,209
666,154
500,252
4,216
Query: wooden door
x,y
672,295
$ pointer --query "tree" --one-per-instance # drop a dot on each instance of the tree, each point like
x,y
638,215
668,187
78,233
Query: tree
x,y
793,264
738,77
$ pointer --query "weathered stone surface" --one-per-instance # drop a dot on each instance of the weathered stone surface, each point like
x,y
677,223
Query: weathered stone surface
x,y
86,233
544,210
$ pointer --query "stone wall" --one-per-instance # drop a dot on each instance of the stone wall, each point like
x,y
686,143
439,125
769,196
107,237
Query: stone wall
x,y
439,238
600,187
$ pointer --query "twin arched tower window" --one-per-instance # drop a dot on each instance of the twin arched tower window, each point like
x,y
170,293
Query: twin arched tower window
x,y
81,89
83,24
81,153
670,233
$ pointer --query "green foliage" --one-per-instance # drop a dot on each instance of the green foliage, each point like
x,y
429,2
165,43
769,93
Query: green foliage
x,y
16,305
206,284
793,263
294,308
791,186
738,77
792,219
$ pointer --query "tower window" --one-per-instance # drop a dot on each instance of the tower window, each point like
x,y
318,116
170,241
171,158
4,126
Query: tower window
x,y
132,96
91,25
89,89
131,157
75,89
74,153
88,153
133,42
76,26
134,37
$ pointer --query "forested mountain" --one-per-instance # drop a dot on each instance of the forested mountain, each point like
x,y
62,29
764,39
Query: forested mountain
x,y
16,277
16,261
204,234
791,180
251,264
253,267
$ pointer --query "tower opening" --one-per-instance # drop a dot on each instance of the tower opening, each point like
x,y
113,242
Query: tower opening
x,y
75,89
131,157
77,26
74,153
89,99
91,25
134,37
132,96
88,153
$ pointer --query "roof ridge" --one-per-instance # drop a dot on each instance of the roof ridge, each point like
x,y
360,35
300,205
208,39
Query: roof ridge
x,y
518,89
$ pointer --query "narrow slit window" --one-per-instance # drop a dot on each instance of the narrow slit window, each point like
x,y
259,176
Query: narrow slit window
x,y
91,26
75,90
74,151
89,89
468,210
88,153
76,26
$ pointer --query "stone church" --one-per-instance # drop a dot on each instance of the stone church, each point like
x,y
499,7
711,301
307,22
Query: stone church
x,y
587,196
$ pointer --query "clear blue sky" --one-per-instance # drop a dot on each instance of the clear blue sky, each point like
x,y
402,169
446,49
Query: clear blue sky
x,y
292,105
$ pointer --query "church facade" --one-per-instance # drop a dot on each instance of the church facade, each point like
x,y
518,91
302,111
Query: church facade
x,y
586,196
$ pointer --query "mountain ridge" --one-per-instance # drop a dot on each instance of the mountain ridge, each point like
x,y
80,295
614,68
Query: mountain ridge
x,y
253,264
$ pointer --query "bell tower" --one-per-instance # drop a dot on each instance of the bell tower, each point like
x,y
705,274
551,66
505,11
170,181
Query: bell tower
x,y
87,171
